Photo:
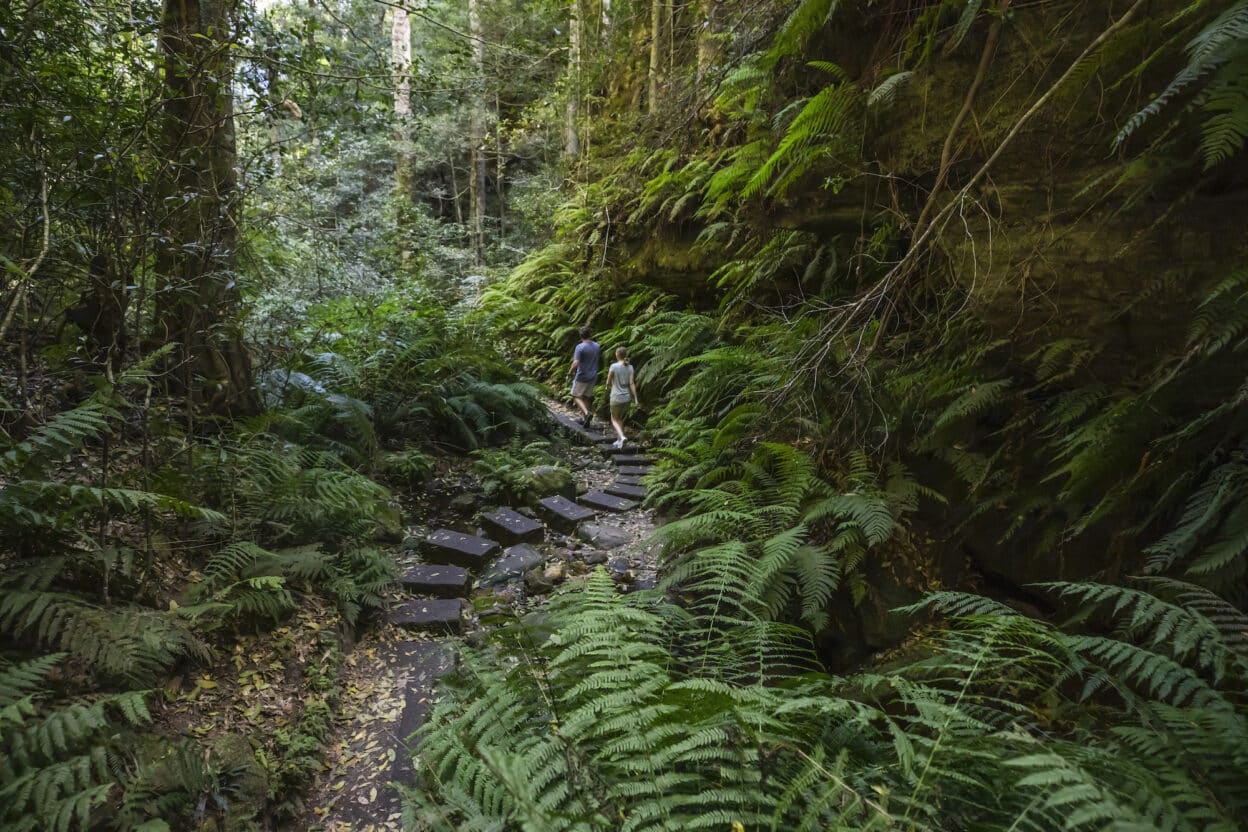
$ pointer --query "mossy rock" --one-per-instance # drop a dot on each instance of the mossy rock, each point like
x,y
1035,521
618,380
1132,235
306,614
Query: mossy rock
x,y
546,481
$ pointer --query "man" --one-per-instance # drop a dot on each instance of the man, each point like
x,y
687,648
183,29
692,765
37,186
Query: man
x,y
585,374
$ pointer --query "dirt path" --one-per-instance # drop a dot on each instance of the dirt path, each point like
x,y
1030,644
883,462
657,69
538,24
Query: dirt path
x,y
388,677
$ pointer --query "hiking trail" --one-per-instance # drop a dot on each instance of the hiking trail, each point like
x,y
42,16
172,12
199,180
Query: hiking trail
x,y
475,566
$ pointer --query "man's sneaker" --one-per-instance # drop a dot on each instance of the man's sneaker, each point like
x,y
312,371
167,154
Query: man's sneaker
x,y
589,418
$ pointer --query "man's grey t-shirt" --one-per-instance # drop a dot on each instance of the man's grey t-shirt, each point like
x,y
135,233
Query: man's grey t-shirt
x,y
587,353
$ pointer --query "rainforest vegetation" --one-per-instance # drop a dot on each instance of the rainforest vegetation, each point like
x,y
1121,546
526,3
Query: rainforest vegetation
x,y
939,309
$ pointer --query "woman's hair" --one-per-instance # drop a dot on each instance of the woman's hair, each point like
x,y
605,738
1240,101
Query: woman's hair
x,y
622,354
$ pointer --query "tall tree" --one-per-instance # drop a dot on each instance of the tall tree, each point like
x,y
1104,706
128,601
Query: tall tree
x,y
571,141
476,132
708,37
198,298
656,54
401,66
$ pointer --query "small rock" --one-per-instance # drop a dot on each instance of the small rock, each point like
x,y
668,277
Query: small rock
x,y
476,638
618,567
507,594
465,502
555,573
579,568
527,512
595,556
536,582
603,536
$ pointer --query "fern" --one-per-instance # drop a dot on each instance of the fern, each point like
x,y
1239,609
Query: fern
x,y
1218,63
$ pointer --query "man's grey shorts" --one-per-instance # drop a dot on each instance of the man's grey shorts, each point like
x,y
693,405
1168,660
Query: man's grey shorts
x,y
582,389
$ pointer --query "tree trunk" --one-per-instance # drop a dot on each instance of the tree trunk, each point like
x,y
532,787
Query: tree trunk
x,y
571,142
198,298
404,167
656,53
476,133
708,38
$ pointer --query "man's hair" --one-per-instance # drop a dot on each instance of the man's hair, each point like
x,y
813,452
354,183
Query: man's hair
x,y
584,332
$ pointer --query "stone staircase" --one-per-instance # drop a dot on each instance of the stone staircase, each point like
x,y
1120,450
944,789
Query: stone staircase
x,y
503,550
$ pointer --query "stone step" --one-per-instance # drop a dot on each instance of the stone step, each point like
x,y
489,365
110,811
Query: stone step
x,y
630,480
632,459
572,425
609,448
598,499
632,492
466,550
422,663
563,513
438,615
512,565
633,470
437,579
511,526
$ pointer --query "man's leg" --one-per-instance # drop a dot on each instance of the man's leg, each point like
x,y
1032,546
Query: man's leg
x,y
582,403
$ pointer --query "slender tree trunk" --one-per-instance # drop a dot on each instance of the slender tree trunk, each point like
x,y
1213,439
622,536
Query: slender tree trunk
x,y
198,296
571,142
708,38
476,133
656,54
404,168
499,161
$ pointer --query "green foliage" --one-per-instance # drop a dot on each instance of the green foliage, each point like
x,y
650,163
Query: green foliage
x,y
505,472
243,582
1214,79
620,718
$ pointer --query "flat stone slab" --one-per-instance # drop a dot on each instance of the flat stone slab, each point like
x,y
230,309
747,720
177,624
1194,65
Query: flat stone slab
x,y
633,470
609,448
437,579
603,536
632,492
573,425
632,459
598,499
423,663
512,565
466,550
563,513
630,480
439,615
511,526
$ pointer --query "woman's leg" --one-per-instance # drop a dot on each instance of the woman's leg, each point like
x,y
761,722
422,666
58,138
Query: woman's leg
x,y
617,422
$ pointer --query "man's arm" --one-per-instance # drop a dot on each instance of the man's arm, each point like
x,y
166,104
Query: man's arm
x,y
576,359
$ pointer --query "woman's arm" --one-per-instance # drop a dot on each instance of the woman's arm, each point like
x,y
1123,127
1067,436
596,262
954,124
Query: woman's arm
x,y
632,385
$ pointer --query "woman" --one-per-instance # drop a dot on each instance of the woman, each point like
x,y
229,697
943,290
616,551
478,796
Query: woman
x,y
623,392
